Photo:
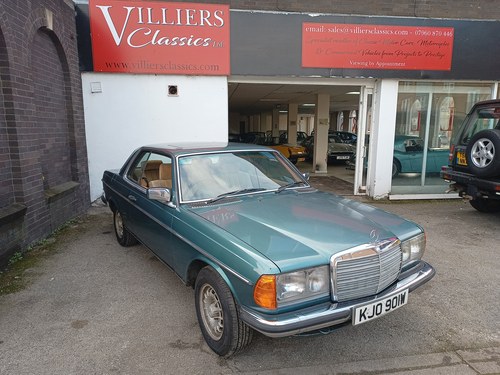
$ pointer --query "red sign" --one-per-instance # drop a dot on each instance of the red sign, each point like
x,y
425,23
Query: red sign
x,y
376,47
160,37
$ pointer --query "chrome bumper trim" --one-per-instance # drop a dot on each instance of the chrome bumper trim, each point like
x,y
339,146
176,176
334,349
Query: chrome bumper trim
x,y
326,314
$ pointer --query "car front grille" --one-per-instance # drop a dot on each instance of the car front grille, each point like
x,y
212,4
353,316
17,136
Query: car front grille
x,y
365,270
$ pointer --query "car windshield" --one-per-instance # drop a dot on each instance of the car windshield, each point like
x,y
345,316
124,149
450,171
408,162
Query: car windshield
x,y
334,139
212,175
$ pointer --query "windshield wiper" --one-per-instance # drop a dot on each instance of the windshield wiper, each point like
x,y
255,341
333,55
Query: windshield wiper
x,y
292,184
235,192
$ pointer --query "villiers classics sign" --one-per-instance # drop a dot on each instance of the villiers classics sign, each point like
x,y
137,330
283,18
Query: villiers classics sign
x,y
160,37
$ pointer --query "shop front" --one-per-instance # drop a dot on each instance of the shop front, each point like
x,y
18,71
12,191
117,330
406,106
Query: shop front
x,y
413,79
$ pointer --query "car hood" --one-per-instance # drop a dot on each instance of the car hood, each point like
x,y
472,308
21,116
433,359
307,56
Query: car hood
x,y
301,229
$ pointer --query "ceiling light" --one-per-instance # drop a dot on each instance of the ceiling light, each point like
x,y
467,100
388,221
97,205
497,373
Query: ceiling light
x,y
352,93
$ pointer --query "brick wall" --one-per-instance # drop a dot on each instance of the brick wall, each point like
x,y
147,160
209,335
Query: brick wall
x,y
43,161
459,9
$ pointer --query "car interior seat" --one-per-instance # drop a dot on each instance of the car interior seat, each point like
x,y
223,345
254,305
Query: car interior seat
x,y
164,177
151,172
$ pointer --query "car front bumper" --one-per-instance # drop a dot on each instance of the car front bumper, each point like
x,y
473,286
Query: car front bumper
x,y
339,156
329,314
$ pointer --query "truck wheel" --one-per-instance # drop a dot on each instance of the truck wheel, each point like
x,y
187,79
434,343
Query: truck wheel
x,y
123,236
486,205
218,316
483,153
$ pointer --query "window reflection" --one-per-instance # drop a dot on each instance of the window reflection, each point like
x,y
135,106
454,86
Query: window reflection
x,y
427,114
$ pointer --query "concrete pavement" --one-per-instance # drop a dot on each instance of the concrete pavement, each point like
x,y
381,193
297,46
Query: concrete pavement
x,y
94,307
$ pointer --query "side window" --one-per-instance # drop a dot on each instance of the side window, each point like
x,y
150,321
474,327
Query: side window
x,y
152,170
135,171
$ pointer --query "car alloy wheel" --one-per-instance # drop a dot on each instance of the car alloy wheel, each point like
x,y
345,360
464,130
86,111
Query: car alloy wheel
x,y
483,153
211,312
123,236
223,330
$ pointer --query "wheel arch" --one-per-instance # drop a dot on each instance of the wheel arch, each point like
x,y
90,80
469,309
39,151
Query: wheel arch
x,y
197,265
112,204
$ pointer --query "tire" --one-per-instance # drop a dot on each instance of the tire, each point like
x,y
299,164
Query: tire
x,y
123,236
217,315
483,153
486,205
396,167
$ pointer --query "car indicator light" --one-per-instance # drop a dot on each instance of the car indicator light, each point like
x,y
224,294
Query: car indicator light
x,y
264,293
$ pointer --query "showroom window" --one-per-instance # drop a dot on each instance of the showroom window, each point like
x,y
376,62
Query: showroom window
x,y
427,114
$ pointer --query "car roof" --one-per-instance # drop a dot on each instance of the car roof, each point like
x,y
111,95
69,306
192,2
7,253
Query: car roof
x,y
184,148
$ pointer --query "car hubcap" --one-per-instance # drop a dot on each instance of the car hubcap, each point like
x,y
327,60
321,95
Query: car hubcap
x,y
119,225
211,312
482,153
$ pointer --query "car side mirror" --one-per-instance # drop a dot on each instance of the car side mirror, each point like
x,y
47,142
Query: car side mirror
x,y
163,195
306,176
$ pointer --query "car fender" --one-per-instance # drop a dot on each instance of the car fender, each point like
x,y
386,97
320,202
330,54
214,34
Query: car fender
x,y
201,262
198,251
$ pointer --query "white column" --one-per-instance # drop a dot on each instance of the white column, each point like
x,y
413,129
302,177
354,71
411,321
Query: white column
x,y
379,179
293,110
275,130
321,126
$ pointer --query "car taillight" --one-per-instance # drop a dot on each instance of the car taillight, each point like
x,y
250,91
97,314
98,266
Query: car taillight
x,y
452,153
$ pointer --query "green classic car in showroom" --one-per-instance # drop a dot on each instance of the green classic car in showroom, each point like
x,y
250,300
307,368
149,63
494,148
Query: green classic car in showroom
x,y
263,250
409,156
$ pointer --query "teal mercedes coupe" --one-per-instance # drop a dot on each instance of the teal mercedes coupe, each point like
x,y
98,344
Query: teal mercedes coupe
x,y
263,250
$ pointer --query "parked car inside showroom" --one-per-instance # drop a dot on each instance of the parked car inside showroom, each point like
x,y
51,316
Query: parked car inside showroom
x,y
345,137
263,250
473,168
291,152
409,156
337,150
301,137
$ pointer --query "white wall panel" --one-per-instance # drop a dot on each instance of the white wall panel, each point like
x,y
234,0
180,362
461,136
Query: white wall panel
x,y
134,109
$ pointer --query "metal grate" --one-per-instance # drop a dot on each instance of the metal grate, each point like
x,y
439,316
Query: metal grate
x,y
366,270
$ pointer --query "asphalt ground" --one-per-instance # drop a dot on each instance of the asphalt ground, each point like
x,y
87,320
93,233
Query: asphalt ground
x,y
94,307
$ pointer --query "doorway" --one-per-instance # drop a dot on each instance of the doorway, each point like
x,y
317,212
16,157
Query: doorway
x,y
261,104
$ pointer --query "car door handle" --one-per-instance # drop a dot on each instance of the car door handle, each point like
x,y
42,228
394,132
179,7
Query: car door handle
x,y
132,198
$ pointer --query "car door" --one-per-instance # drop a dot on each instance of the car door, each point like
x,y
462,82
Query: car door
x,y
150,220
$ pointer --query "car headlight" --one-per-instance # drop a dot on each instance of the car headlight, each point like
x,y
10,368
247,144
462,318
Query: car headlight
x,y
272,291
413,249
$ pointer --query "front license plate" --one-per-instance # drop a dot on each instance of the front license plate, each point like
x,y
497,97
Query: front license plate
x,y
461,160
343,157
370,311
